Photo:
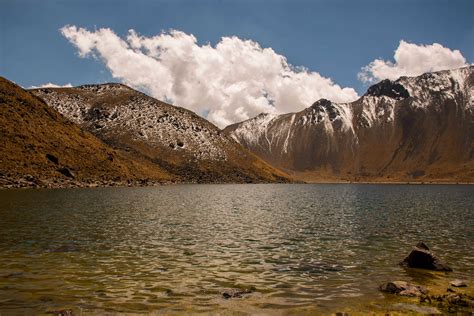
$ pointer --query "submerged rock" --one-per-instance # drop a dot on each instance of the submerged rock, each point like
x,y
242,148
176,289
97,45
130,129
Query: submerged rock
x,y
416,308
452,302
13,275
403,288
235,293
458,283
311,268
65,248
422,257
62,312
458,299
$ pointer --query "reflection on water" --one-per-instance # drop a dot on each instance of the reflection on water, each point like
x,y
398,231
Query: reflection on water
x,y
175,248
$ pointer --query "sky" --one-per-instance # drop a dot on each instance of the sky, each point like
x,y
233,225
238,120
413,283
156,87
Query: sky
x,y
231,60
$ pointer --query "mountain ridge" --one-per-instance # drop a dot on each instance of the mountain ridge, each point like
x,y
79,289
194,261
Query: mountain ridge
x,y
413,129
340,141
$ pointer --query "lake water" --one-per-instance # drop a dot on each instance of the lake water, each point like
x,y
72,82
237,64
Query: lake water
x,y
298,248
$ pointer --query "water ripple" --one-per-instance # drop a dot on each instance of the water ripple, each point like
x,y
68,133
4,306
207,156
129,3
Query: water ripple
x,y
175,248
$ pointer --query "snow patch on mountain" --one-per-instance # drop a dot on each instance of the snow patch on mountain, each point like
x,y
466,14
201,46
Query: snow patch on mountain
x,y
288,134
116,108
328,113
377,109
252,130
448,84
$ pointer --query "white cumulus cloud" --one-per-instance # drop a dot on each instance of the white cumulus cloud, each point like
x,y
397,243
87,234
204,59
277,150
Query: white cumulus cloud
x,y
232,81
51,85
412,60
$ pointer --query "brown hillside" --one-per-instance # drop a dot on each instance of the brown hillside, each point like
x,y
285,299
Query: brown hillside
x,y
39,147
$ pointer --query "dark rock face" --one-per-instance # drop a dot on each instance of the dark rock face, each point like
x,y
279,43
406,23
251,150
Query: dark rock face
x,y
323,106
52,158
422,258
388,88
325,103
66,172
403,288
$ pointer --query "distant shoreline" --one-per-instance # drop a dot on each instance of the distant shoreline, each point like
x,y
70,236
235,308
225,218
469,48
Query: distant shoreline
x,y
111,184
393,182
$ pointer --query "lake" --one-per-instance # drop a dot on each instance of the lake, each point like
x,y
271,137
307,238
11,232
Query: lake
x,y
298,248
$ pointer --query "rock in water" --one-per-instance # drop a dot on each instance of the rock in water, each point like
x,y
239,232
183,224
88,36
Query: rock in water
x,y
235,293
422,245
458,283
415,309
422,258
403,288
62,312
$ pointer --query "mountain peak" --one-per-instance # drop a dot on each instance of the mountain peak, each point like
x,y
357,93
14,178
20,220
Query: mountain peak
x,y
264,114
391,89
321,102
104,86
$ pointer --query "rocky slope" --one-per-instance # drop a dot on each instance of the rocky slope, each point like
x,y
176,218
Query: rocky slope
x,y
40,148
411,129
173,138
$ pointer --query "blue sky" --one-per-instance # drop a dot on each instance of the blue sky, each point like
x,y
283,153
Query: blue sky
x,y
334,38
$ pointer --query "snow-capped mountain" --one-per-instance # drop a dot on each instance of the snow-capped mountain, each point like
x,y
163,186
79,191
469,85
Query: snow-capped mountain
x,y
412,129
174,138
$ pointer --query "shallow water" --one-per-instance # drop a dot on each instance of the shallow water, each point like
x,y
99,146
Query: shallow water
x,y
314,248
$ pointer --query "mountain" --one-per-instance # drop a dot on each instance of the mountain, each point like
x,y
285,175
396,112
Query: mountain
x,y
175,139
412,129
41,148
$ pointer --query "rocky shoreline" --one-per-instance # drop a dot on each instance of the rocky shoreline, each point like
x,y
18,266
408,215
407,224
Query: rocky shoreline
x,y
28,181
454,299
31,182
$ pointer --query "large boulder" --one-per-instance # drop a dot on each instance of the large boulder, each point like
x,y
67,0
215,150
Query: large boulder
x,y
403,288
422,258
